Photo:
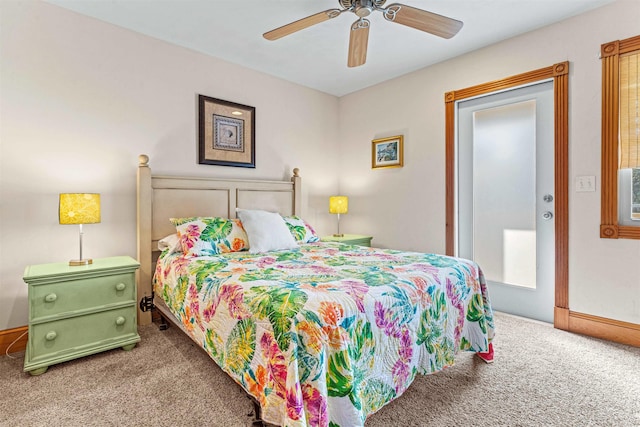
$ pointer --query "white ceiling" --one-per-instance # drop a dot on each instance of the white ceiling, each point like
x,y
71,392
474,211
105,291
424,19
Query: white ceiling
x,y
317,56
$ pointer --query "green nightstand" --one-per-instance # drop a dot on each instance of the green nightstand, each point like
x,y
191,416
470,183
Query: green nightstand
x,y
80,310
350,239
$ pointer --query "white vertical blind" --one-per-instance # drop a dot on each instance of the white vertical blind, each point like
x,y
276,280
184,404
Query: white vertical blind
x,y
630,110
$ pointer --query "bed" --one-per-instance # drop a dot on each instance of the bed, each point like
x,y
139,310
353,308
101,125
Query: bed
x,y
320,334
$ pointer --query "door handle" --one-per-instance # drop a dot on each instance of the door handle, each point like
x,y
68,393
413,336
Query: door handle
x,y
547,215
547,198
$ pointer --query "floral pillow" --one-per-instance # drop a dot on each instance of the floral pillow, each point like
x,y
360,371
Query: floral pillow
x,y
300,229
201,236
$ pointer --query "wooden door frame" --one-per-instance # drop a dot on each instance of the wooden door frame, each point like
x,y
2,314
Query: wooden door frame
x,y
559,73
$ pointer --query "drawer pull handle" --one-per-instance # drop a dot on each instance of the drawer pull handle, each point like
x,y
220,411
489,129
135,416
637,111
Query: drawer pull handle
x,y
121,286
51,335
51,298
120,321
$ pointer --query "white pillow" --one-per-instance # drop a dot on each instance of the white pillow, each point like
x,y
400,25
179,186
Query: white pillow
x,y
267,231
172,242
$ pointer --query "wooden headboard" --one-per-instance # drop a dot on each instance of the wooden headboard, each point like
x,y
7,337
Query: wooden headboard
x,y
164,197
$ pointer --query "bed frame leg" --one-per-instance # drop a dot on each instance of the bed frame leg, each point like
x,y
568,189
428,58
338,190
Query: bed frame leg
x,y
257,414
163,325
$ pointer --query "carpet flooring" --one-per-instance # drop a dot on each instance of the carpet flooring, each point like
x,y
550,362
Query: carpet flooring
x,y
541,377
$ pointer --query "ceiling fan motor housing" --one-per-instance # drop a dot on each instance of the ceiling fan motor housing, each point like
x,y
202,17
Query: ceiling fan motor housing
x,y
362,8
346,4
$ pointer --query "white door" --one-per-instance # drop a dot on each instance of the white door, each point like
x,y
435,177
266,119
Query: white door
x,y
505,184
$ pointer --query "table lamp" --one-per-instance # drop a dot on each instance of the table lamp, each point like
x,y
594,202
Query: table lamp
x,y
79,208
338,205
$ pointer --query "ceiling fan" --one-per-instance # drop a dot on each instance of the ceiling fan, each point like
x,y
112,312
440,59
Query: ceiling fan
x,y
359,35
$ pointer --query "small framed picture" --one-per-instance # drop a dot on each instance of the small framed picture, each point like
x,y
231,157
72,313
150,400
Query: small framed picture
x,y
227,133
387,152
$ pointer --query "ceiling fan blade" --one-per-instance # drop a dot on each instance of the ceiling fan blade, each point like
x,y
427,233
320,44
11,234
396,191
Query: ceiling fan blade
x,y
422,20
358,40
301,24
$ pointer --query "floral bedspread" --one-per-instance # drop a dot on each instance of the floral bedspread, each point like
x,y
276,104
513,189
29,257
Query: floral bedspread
x,y
328,334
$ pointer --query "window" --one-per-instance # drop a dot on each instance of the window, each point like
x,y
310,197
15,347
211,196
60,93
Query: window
x,y
620,190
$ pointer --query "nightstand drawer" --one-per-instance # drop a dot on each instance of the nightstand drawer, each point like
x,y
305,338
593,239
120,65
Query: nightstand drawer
x,y
84,294
78,335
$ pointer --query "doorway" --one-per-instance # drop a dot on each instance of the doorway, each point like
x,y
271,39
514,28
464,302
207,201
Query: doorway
x,y
505,209
559,74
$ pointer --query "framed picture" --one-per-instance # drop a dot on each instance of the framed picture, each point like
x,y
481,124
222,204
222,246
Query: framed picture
x,y
387,152
227,133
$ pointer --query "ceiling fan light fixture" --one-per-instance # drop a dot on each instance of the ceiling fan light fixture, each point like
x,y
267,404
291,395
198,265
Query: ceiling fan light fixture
x,y
363,11
363,8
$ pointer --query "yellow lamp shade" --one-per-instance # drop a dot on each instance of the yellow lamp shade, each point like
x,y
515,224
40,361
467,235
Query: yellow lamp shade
x,y
338,204
79,208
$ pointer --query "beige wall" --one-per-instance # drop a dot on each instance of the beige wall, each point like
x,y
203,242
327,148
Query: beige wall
x,y
404,208
81,99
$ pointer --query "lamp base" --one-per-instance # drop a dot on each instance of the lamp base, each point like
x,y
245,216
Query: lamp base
x,y
338,235
75,262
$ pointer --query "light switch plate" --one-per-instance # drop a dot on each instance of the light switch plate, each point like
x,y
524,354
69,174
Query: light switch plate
x,y
585,183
